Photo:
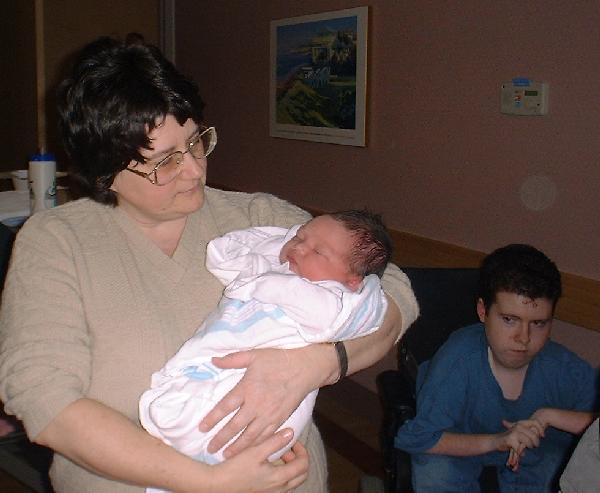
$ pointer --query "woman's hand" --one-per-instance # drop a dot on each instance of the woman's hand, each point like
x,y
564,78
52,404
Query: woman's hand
x,y
250,472
275,382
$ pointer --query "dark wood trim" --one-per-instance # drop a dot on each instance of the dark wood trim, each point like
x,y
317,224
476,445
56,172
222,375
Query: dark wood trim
x,y
348,446
349,417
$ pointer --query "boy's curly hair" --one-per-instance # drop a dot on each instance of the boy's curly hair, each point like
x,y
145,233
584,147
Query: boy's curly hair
x,y
520,269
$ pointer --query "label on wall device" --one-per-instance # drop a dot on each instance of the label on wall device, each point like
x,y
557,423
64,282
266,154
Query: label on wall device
x,y
524,97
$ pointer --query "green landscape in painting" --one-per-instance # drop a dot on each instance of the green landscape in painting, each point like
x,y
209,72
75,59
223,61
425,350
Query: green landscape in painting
x,y
316,74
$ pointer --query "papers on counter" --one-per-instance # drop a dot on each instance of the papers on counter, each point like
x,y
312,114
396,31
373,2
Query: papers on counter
x,y
14,207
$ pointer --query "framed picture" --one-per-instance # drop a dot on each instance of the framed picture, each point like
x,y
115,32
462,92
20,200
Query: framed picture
x,y
319,76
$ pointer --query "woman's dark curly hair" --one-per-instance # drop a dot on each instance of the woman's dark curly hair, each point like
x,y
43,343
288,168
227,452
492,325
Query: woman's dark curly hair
x,y
117,93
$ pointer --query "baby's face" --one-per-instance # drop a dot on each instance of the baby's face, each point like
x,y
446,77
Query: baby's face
x,y
320,251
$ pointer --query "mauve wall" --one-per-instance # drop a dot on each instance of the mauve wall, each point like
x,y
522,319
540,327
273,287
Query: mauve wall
x,y
441,160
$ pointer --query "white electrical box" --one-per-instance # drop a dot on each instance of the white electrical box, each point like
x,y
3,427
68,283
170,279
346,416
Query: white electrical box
x,y
524,97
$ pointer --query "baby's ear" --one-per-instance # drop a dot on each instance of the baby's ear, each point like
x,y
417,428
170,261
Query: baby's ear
x,y
353,282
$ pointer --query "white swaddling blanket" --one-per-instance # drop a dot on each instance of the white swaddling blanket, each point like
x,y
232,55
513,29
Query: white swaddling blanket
x,y
264,305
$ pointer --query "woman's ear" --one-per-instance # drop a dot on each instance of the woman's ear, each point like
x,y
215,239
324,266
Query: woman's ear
x,y
114,186
481,312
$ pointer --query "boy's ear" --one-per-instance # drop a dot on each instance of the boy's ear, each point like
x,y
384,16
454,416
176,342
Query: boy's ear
x,y
481,310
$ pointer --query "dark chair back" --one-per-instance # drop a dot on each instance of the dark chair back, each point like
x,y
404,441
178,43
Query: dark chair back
x,y
7,237
447,301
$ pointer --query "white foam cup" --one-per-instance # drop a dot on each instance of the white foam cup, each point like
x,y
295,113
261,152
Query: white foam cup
x,y
20,180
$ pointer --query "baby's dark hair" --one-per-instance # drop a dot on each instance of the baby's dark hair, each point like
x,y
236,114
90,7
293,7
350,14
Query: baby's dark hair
x,y
372,242
519,269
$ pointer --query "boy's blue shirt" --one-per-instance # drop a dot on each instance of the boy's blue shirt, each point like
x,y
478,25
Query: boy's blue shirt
x,y
456,391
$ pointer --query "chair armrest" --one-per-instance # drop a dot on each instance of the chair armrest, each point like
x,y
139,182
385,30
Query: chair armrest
x,y
397,395
396,388
25,461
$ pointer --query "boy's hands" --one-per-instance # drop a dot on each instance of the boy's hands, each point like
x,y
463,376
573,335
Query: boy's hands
x,y
518,436
546,417
562,419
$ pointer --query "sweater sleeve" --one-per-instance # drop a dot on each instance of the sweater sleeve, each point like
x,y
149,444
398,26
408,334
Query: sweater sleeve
x,y
397,285
45,347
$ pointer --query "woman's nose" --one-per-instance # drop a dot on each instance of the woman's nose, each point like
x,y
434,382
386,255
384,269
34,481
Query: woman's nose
x,y
193,167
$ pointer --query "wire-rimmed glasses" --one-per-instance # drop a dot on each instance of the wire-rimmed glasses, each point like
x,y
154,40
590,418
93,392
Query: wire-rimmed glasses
x,y
167,169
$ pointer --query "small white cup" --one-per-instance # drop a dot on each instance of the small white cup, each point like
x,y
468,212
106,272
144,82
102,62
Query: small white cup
x,y
20,179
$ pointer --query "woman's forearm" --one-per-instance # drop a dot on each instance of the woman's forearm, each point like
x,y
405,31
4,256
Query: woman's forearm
x,y
365,351
362,352
106,442
276,381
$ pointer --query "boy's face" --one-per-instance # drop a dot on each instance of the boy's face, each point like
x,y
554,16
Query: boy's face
x,y
320,251
517,327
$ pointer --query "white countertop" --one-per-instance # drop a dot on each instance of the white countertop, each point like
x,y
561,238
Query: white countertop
x,y
14,207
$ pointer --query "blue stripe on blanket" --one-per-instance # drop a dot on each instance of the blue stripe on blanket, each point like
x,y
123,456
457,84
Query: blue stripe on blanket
x,y
361,314
206,458
242,325
197,373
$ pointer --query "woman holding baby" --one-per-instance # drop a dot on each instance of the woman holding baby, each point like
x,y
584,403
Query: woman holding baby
x,y
103,290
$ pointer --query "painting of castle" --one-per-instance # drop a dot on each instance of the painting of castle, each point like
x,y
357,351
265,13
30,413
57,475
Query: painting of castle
x,y
318,73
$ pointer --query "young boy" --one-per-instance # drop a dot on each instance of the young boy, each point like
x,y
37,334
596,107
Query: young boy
x,y
316,282
500,393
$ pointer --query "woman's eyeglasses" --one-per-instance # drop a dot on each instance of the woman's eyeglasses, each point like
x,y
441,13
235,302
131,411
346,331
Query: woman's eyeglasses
x,y
167,169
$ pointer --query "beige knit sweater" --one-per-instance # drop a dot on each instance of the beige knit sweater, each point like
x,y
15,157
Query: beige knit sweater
x,y
91,308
